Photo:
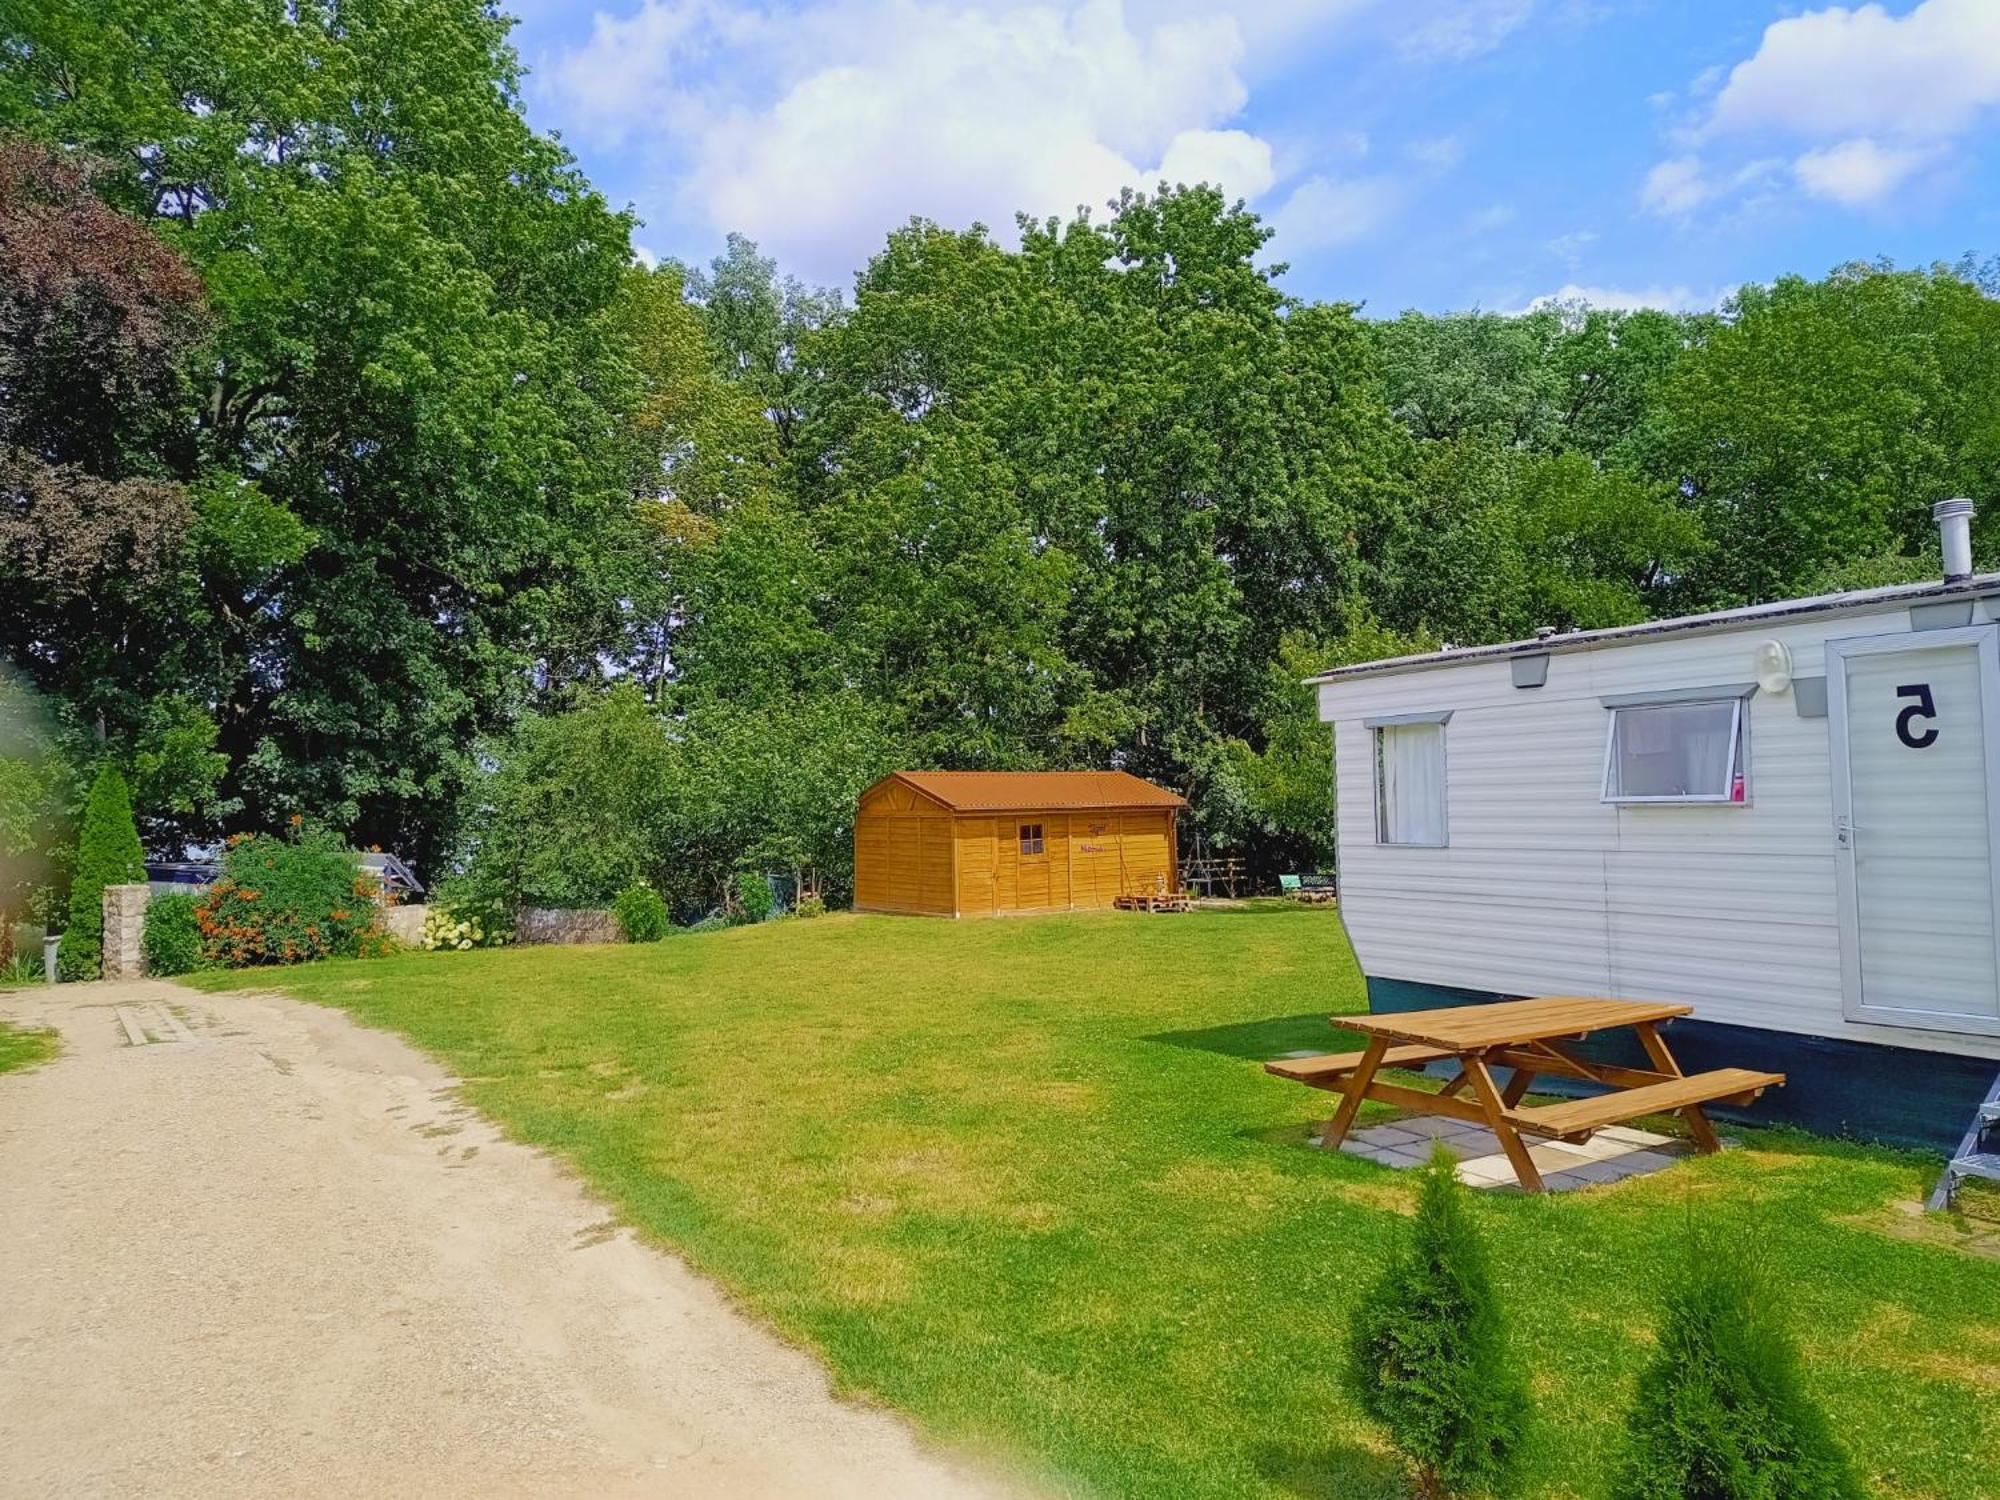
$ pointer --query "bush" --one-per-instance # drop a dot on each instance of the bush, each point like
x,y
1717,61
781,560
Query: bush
x,y
286,901
1721,1410
171,941
642,914
463,922
107,853
809,906
1428,1357
753,896
715,921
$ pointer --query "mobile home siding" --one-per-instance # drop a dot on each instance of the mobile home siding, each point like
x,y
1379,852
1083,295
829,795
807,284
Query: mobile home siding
x,y
1544,889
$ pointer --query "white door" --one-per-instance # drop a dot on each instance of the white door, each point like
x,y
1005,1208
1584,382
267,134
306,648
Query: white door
x,y
1914,723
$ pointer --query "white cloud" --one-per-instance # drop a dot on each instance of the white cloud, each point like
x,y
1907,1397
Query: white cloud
x,y
1627,299
1675,187
1570,247
1859,172
816,131
1456,30
1325,212
1878,99
613,84
1234,158
1833,73
815,126
1439,153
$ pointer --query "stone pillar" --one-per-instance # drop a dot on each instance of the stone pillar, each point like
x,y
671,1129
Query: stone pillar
x,y
124,923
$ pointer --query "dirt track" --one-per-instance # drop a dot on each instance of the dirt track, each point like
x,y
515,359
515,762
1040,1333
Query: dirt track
x,y
265,1252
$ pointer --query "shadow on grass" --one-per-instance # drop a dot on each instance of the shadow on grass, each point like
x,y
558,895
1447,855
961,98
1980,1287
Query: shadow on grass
x,y
1340,1471
1275,1036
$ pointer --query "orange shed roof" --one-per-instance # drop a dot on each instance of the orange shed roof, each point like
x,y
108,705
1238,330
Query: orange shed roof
x,y
1009,791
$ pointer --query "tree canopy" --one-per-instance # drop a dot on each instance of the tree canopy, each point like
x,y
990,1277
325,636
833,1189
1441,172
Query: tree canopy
x,y
345,451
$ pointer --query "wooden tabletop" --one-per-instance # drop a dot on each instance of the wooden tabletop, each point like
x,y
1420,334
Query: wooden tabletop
x,y
1468,1028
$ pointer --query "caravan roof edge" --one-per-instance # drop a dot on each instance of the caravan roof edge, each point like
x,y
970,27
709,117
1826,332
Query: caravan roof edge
x,y
1985,585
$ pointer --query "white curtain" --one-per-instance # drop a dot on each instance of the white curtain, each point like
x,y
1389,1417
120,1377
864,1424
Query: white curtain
x,y
1411,767
1675,750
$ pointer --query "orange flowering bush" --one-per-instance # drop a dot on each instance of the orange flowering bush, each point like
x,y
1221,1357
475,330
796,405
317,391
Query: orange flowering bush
x,y
288,901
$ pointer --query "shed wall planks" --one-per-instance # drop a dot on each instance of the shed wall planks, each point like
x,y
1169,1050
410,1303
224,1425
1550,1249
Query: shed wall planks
x,y
915,857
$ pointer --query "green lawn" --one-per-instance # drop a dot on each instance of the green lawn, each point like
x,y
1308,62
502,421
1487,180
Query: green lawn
x,y
22,1047
1024,1180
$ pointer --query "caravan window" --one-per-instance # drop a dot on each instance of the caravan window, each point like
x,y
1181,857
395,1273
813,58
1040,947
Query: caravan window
x,y
1676,752
1409,783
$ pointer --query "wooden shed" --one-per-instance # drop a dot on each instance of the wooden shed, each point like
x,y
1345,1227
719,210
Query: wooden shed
x,y
991,843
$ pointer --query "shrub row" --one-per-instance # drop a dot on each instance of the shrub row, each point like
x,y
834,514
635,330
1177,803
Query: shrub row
x,y
1720,1411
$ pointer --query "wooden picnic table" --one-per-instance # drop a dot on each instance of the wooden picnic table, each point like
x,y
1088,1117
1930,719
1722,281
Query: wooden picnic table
x,y
1531,1038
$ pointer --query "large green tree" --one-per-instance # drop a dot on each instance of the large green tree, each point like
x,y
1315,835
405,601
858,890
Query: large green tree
x,y
416,366
1818,421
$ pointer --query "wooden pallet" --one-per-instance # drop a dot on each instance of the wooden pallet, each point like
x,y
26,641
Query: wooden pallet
x,y
1163,901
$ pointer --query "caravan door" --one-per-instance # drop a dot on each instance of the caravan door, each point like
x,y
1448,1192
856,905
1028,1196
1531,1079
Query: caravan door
x,y
1914,726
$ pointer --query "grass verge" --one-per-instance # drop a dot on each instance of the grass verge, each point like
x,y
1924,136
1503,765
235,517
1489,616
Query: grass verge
x,y
23,1047
1024,1180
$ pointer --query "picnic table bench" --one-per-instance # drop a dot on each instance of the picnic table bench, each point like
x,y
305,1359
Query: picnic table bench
x,y
1531,1038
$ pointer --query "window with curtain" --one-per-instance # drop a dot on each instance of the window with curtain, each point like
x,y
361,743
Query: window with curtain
x,y
1676,752
1409,784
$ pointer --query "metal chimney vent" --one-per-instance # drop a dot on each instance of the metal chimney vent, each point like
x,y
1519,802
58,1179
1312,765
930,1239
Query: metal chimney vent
x,y
1954,522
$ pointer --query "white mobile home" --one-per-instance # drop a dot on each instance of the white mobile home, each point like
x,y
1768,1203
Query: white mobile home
x,y
1787,816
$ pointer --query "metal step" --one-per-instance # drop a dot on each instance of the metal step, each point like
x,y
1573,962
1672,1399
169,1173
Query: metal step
x,y
1972,1159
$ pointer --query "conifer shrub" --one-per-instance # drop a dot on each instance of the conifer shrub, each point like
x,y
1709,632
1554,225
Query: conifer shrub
x,y
171,941
641,913
287,900
1428,1354
107,853
1721,1412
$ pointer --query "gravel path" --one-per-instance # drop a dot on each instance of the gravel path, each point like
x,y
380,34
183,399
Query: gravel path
x,y
250,1248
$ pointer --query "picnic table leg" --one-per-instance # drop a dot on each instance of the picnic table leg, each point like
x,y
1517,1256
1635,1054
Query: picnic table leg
x,y
1496,1117
1357,1090
1705,1138
1517,1085
1453,1084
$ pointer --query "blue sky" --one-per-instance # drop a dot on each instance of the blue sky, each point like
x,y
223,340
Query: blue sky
x,y
1439,154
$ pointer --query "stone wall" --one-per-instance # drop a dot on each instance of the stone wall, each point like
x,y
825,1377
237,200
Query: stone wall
x,y
124,926
536,924
405,923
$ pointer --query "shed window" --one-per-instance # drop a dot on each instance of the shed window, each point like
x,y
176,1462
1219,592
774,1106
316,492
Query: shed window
x,y
1409,784
1676,752
1031,838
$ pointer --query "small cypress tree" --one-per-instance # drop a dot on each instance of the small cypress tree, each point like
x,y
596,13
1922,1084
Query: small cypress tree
x,y
1427,1353
107,853
1721,1412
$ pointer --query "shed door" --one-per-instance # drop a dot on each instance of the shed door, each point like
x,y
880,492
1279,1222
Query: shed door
x,y
1912,720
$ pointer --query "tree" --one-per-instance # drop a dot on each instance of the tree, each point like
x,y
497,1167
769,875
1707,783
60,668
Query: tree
x,y
410,405
577,805
34,786
108,853
1819,421
1721,1410
1428,1356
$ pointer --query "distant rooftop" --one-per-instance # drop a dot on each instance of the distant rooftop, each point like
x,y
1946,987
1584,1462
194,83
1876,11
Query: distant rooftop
x,y
1980,586
1011,791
